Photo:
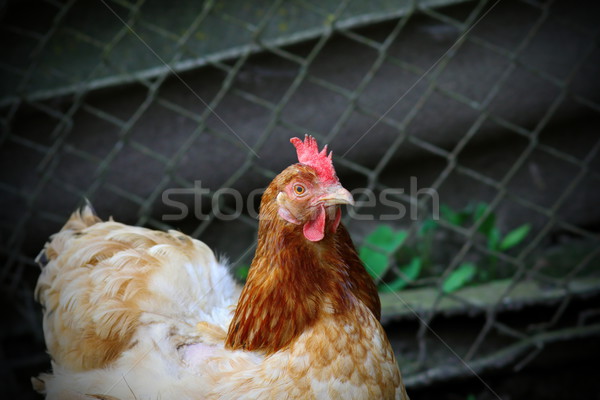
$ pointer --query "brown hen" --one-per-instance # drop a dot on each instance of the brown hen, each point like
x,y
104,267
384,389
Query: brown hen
x,y
133,313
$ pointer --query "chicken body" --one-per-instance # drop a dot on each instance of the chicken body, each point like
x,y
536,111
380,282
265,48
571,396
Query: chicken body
x,y
132,313
119,301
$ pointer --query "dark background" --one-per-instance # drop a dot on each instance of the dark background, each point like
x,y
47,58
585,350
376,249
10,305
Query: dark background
x,y
493,101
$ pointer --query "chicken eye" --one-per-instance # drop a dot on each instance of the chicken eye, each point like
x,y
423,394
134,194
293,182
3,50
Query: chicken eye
x,y
299,190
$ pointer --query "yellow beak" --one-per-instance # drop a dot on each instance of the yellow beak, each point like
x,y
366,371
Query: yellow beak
x,y
336,194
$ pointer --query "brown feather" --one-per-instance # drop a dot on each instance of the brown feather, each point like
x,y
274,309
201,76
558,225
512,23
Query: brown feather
x,y
116,295
292,281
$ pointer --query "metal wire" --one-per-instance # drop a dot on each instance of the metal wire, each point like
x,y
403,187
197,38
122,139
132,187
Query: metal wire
x,y
174,52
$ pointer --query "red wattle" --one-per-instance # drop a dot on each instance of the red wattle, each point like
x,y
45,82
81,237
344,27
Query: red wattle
x,y
315,230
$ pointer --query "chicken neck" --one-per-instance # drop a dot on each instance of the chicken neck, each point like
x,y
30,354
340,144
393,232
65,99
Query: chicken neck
x,y
293,282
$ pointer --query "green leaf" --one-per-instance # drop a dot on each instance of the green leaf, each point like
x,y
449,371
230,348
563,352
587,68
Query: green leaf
x,y
242,272
450,215
411,270
487,225
515,237
457,218
384,238
427,226
459,277
493,239
480,208
375,262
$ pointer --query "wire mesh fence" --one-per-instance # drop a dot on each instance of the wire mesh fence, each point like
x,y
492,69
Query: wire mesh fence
x,y
492,107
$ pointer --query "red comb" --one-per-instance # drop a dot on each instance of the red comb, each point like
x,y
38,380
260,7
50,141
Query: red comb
x,y
308,153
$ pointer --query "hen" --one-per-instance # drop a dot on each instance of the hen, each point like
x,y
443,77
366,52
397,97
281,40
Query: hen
x,y
132,313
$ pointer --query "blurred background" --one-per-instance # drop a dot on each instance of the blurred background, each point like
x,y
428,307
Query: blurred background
x,y
485,113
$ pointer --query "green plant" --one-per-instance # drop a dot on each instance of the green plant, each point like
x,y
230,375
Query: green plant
x,y
410,273
241,272
459,277
385,247
474,213
378,248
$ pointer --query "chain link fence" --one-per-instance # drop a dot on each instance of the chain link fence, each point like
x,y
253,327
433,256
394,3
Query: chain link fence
x,y
484,113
